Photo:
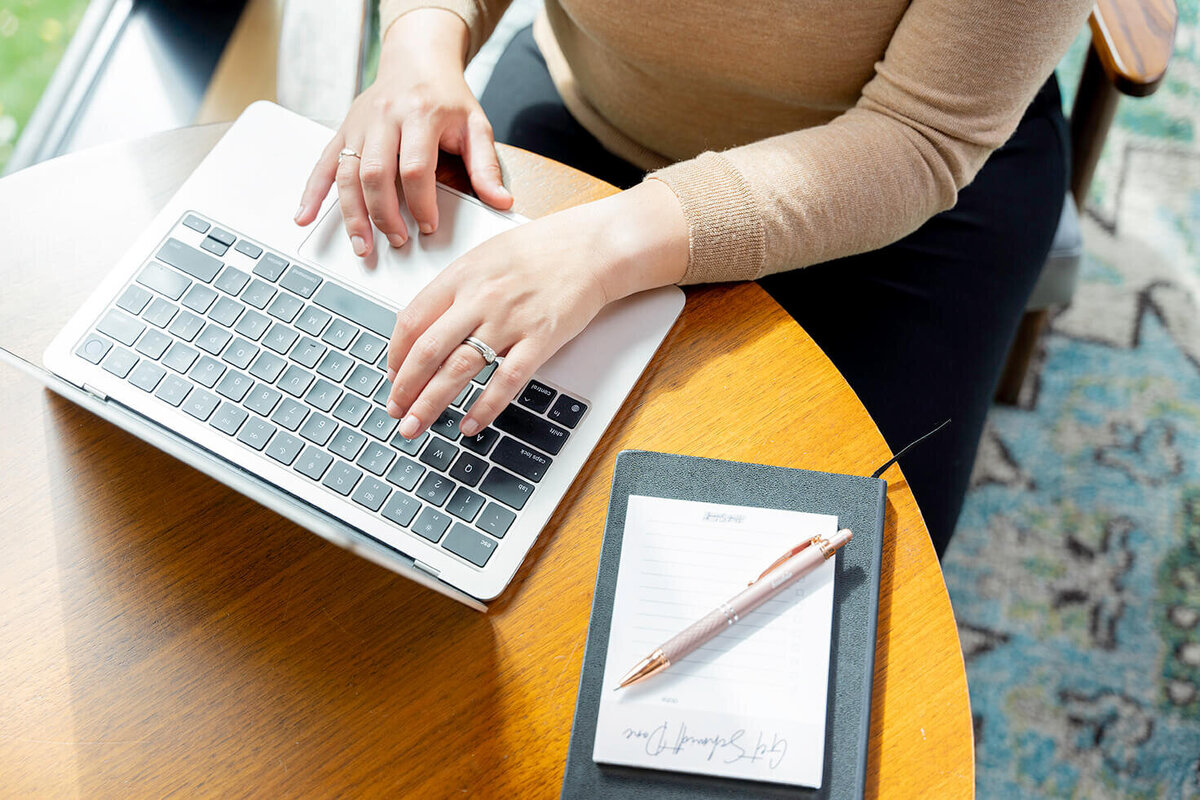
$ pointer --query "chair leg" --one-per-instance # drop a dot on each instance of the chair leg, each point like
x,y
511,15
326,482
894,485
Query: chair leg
x,y
1019,356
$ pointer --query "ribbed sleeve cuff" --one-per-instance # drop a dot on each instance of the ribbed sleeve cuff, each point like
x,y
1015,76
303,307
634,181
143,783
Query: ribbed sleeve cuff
x,y
726,239
471,12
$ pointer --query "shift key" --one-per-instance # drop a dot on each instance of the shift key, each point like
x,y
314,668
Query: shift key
x,y
528,427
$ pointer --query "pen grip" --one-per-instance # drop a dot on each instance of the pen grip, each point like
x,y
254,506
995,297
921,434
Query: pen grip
x,y
695,635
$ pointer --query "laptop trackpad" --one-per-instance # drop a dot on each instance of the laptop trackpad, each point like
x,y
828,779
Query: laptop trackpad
x,y
397,274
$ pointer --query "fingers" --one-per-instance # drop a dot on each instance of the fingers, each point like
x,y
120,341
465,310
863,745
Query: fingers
x,y
418,162
479,155
511,375
378,175
319,181
436,369
354,208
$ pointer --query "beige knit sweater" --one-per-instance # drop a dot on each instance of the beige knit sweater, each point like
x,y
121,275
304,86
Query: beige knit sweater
x,y
795,133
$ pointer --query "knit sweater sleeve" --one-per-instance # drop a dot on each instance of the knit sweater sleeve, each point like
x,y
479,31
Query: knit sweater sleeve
x,y
481,16
953,84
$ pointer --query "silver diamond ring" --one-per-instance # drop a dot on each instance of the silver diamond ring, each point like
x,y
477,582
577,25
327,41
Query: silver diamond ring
x,y
489,355
346,151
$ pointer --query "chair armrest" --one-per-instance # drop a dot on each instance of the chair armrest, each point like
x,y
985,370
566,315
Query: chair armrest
x,y
1133,39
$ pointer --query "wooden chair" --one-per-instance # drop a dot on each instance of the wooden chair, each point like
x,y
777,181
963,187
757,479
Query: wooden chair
x,y
1131,45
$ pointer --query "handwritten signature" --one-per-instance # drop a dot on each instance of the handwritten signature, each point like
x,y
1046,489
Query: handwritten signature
x,y
727,749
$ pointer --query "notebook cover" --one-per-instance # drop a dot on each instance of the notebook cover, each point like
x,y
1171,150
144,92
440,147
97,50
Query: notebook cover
x,y
858,503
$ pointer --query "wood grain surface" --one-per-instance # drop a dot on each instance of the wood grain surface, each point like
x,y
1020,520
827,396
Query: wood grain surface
x,y
1133,39
160,634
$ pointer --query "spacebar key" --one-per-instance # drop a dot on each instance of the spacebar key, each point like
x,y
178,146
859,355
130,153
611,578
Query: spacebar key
x,y
356,308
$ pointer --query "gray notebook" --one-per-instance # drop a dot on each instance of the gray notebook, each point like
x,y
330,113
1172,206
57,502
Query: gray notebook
x,y
858,502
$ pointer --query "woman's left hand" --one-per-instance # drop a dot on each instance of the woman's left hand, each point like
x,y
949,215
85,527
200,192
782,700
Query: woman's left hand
x,y
526,293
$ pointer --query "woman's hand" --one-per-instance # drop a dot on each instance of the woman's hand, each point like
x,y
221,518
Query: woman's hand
x,y
418,103
526,293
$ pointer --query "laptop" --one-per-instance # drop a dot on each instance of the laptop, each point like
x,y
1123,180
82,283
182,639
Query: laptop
x,y
255,351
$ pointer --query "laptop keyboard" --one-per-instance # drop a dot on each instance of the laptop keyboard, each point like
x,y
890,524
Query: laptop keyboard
x,y
291,365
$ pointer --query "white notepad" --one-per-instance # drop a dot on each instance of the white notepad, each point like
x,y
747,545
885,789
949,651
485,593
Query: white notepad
x,y
751,703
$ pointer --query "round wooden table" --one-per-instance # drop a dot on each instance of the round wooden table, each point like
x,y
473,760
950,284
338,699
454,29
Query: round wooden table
x,y
160,633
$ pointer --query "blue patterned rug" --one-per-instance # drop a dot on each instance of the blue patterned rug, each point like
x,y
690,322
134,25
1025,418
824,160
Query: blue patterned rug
x,y
1075,572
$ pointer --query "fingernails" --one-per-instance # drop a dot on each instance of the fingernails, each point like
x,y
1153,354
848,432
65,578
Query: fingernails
x,y
391,374
393,410
426,227
299,213
503,191
396,240
409,426
359,244
468,426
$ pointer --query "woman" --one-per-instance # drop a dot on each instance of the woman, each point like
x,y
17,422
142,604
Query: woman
x,y
847,139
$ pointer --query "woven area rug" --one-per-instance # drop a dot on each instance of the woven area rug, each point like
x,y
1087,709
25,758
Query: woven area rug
x,y
1075,571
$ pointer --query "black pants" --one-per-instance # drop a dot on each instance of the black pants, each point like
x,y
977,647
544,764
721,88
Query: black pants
x,y
919,328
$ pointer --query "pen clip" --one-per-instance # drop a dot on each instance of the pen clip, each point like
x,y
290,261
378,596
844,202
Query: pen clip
x,y
817,540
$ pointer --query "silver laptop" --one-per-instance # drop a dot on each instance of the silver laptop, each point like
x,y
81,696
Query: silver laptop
x,y
254,350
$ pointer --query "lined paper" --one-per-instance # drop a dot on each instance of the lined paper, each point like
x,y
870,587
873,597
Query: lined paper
x,y
750,703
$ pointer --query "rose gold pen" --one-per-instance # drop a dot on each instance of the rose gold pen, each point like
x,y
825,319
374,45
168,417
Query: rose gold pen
x,y
787,569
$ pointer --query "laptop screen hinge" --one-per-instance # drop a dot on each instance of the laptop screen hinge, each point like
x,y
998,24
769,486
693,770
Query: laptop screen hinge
x,y
94,392
426,568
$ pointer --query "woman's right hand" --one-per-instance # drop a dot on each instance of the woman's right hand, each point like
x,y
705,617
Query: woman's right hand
x,y
418,103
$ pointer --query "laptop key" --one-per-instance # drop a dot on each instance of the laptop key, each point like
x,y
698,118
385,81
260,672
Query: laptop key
x,y
463,394
213,339
484,375
300,281
363,380
371,493
313,320
207,372
481,442
232,281
180,357
447,424
469,544
383,392
496,520
339,334
376,458
248,249
199,298
160,313
295,381
537,396
258,293
318,429
313,462
173,390
200,404
401,509
347,443
195,223
532,429
284,448
213,246
405,474
342,478
280,338
234,385
163,280
267,367
323,395
521,459
465,504
262,400
146,376
335,365
435,489
256,432
431,524
228,418
190,260
290,414
271,267
223,236
134,299
410,446
351,409
356,308
153,344
226,311
252,325
285,307
187,325
379,424
93,348
119,362
476,391
506,488
307,352
567,411
239,353
468,469
439,454
368,348
120,326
